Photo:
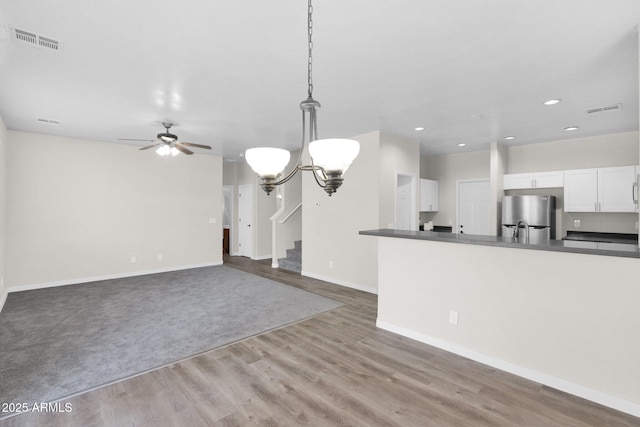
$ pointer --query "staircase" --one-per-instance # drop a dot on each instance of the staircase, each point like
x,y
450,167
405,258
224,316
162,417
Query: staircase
x,y
293,261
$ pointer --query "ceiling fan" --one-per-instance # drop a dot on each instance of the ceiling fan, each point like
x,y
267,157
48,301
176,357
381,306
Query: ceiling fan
x,y
168,143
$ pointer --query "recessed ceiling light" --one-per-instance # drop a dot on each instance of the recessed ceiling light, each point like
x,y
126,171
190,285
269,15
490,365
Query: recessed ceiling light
x,y
570,128
509,138
419,128
462,144
552,102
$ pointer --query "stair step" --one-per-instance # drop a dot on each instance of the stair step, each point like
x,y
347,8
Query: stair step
x,y
290,265
294,254
293,261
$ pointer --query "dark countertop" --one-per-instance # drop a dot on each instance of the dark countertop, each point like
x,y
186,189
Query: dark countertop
x,y
580,247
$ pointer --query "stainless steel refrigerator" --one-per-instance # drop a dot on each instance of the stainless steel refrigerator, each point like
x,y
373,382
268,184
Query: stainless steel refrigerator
x,y
532,216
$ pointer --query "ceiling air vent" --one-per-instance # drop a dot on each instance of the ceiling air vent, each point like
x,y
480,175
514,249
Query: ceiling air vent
x,y
48,121
608,108
38,41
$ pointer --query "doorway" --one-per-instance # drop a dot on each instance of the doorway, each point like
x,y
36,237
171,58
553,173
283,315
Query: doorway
x,y
406,208
245,219
227,218
474,206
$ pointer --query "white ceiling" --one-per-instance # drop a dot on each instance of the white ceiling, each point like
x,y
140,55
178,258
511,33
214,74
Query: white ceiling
x,y
231,74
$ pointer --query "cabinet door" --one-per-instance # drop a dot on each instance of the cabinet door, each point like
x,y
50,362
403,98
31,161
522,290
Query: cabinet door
x,y
581,190
548,179
517,180
616,189
428,195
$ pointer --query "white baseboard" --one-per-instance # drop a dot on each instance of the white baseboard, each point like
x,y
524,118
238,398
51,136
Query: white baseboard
x,y
3,299
79,280
340,282
596,396
261,257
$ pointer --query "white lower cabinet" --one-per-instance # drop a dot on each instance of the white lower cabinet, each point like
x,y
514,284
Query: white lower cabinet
x,y
601,190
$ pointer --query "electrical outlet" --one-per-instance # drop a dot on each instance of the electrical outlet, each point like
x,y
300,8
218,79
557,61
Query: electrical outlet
x,y
212,220
159,257
450,222
391,225
576,223
330,263
133,260
453,317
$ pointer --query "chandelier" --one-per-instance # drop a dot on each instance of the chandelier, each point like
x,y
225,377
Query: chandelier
x,y
330,158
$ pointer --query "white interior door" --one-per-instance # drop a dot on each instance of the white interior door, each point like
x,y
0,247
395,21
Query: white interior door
x,y
405,202
474,213
245,219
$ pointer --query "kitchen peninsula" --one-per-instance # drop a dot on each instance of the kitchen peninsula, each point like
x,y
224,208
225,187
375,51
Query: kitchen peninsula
x,y
564,314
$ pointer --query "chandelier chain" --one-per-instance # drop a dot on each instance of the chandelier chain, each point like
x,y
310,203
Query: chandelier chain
x,y
310,63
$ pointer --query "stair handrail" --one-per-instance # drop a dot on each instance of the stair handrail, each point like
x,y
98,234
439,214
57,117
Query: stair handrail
x,y
286,218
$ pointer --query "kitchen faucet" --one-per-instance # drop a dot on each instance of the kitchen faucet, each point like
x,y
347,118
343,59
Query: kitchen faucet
x,y
516,232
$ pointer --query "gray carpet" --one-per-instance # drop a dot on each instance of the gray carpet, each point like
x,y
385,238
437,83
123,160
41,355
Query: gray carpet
x,y
60,341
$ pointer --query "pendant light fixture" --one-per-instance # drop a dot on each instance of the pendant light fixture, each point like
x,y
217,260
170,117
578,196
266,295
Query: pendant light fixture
x,y
330,158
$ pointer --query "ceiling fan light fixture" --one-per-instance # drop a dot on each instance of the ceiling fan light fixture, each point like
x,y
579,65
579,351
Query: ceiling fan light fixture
x,y
163,150
167,137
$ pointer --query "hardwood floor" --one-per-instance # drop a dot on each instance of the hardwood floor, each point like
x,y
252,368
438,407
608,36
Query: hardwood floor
x,y
333,369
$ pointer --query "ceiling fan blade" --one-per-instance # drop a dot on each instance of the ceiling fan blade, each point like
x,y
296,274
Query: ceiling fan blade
x,y
150,146
130,139
189,144
179,147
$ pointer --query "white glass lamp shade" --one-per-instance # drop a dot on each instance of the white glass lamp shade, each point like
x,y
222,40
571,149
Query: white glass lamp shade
x,y
266,161
334,154
163,150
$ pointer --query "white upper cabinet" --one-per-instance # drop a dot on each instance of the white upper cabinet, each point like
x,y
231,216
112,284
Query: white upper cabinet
x,y
617,189
514,181
581,190
428,195
601,190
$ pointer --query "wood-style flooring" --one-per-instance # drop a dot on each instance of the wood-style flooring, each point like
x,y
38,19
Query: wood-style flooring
x,y
333,369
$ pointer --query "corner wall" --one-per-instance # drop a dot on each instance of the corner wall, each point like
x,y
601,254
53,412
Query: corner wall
x,y
79,210
447,170
332,248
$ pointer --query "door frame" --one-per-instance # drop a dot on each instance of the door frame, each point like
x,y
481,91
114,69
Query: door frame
x,y
466,181
232,221
413,224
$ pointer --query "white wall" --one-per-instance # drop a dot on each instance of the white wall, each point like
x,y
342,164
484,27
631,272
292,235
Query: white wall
x,y
330,225
79,209
3,184
447,170
366,200
574,326
620,149
397,155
